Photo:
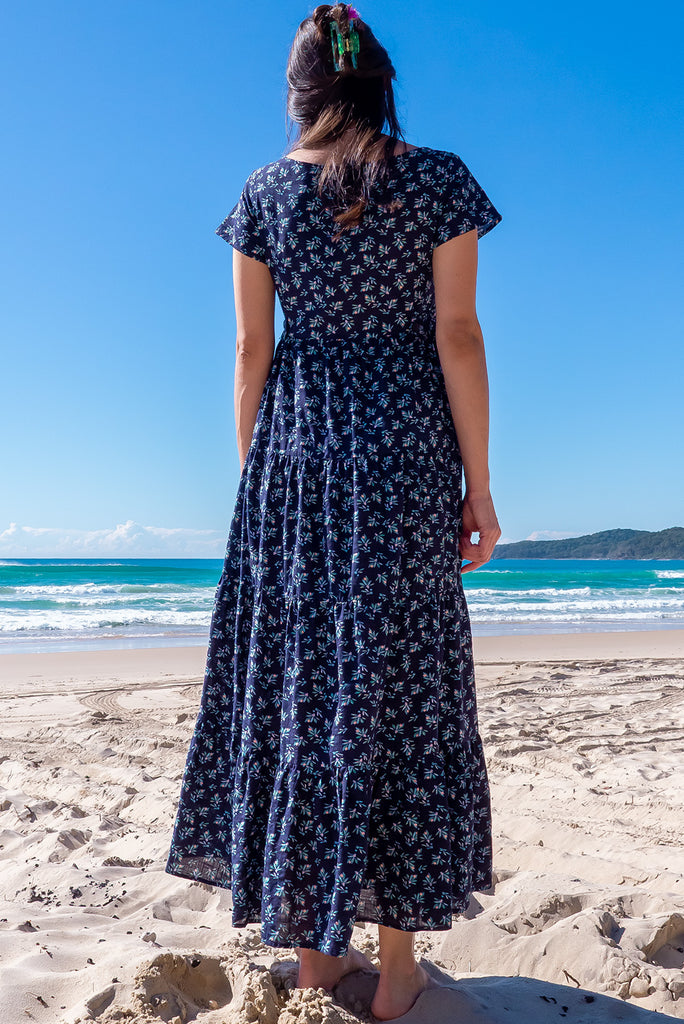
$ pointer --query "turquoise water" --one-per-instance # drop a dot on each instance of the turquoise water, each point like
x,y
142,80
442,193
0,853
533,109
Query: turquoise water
x,y
67,604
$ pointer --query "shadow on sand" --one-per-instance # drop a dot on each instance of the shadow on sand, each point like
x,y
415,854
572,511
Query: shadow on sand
x,y
497,1000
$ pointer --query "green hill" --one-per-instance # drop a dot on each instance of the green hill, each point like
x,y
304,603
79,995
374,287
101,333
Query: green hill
x,y
607,544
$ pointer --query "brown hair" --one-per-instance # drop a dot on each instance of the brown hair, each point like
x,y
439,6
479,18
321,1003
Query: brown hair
x,y
344,110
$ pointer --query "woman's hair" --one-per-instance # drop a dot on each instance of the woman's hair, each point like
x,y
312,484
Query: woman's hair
x,y
344,110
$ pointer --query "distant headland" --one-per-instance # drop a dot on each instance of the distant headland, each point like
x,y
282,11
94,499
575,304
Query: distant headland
x,y
606,544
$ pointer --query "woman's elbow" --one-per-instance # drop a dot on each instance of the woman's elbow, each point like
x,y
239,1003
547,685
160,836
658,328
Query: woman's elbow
x,y
251,347
457,334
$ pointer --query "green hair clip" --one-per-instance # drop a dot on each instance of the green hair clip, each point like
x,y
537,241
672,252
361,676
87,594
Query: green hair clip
x,y
340,45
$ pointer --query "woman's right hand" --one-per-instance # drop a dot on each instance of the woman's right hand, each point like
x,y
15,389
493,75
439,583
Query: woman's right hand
x,y
478,517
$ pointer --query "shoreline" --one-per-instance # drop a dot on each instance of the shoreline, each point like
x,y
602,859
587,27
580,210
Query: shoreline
x,y
139,665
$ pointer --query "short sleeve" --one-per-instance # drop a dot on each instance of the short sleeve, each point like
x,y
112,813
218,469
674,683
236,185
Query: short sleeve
x,y
242,228
462,204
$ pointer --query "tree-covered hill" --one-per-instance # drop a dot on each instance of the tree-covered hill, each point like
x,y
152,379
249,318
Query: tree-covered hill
x,y
607,544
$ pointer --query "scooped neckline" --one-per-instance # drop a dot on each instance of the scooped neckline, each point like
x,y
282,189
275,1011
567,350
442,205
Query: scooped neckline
x,y
314,163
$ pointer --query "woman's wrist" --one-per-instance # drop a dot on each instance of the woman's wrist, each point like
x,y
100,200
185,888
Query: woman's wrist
x,y
478,488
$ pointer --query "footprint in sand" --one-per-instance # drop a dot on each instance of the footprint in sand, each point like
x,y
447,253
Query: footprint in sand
x,y
67,841
665,946
188,985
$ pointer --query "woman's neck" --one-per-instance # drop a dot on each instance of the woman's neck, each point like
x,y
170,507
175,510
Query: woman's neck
x,y
320,155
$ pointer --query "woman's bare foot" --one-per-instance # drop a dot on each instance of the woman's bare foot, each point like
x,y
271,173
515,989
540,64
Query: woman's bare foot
x,y
396,995
318,970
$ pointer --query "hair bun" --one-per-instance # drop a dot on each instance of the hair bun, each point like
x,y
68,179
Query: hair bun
x,y
340,12
325,13
321,18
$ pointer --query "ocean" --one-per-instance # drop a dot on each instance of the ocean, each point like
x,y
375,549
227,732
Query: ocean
x,y
67,604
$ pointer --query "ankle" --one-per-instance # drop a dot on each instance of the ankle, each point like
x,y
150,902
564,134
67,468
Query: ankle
x,y
399,970
314,956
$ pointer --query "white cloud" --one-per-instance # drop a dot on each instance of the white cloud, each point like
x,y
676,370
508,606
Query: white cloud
x,y
131,540
125,540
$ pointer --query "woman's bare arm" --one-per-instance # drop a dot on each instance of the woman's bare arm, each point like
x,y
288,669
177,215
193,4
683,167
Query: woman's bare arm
x,y
460,345
255,342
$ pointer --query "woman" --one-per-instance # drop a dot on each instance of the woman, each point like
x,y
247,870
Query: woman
x,y
336,773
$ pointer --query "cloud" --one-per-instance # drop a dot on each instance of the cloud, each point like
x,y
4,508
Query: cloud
x,y
125,540
131,540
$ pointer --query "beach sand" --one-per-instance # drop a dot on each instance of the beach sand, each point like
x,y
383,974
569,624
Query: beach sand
x,y
585,921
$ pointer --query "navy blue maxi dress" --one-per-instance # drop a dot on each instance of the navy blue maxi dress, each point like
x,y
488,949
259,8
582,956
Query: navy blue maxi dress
x,y
336,773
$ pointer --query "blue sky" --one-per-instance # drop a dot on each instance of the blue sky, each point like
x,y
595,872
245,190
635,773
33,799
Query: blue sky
x,y
129,131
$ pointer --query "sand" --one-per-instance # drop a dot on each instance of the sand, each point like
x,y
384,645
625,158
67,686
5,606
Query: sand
x,y
585,921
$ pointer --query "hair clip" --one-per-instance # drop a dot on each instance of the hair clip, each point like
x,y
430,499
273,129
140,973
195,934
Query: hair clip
x,y
340,45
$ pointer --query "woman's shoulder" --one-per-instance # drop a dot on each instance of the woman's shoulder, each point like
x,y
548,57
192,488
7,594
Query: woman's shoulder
x,y
272,177
433,155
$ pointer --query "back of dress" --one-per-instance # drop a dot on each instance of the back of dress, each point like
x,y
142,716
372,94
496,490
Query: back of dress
x,y
362,372
336,772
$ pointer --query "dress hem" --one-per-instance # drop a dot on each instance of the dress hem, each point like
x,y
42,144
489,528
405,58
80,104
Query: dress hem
x,y
460,905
